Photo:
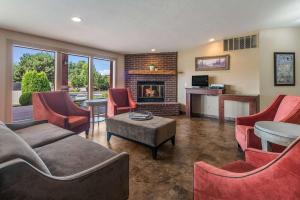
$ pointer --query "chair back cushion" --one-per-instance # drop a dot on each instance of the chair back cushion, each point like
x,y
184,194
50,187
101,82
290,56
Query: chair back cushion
x,y
13,147
56,101
120,97
287,106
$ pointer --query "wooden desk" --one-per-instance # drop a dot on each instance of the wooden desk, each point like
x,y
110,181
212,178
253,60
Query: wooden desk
x,y
199,91
251,99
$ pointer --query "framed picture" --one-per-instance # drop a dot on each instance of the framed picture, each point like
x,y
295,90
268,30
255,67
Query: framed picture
x,y
284,69
212,63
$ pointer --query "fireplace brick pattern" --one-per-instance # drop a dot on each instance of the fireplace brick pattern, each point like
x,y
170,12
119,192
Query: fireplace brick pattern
x,y
163,61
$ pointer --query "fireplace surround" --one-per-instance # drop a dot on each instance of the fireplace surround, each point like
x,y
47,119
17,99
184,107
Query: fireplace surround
x,y
161,95
150,91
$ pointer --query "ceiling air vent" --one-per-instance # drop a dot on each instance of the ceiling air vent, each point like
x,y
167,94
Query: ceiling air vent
x,y
237,43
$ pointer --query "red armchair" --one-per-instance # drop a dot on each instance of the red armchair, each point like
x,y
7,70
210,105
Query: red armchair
x,y
58,109
120,100
283,109
262,176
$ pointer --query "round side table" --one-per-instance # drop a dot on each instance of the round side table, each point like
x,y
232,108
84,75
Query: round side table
x,y
276,132
93,103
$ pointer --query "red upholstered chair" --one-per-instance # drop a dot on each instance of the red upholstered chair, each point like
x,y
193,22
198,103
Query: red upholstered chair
x,y
283,109
58,109
262,176
120,100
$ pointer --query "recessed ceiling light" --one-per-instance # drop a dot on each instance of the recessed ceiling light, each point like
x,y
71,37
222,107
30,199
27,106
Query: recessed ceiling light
x,y
153,50
211,39
76,19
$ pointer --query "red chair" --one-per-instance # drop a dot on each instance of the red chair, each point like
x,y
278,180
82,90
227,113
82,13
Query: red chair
x,y
120,100
59,109
283,109
262,176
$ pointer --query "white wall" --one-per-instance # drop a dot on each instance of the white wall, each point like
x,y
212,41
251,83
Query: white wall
x,y
7,38
242,78
277,40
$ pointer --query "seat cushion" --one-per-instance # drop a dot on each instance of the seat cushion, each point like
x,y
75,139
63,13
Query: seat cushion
x,y
42,134
286,107
239,167
72,155
75,121
12,147
123,110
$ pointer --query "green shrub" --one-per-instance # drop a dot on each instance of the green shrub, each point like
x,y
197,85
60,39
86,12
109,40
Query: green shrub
x,y
34,81
26,99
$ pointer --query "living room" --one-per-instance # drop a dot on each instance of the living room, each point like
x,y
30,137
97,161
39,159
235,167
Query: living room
x,y
149,99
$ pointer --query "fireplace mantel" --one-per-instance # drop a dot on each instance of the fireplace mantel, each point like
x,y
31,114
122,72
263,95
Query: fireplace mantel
x,y
148,72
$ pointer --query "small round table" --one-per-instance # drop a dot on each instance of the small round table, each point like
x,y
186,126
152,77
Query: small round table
x,y
276,132
96,103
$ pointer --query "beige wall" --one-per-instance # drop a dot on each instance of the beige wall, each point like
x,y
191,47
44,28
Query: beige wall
x,y
277,40
242,78
7,38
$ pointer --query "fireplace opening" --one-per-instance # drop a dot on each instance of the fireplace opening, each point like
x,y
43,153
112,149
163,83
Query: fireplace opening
x,y
151,91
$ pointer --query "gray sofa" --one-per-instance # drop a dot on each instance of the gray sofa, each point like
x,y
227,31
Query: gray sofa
x,y
41,161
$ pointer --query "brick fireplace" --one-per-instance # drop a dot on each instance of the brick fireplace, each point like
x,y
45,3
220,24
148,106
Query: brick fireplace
x,y
155,91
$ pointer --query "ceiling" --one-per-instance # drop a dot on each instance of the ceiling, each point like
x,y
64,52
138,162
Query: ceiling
x,y
136,26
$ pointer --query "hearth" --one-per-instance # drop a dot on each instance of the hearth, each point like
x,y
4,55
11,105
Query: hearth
x,y
150,91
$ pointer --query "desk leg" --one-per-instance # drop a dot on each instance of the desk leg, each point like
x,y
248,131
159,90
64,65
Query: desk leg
x,y
188,106
221,110
252,108
266,146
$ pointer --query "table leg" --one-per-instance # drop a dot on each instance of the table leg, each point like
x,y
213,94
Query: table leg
x,y
266,146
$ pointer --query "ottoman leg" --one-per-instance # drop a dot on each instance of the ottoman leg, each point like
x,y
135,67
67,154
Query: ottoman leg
x,y
108,136
173,140
154,153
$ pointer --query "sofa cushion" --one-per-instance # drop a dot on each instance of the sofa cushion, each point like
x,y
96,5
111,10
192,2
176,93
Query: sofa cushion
x,y
42,134
286,107
75,121
72,155
12,146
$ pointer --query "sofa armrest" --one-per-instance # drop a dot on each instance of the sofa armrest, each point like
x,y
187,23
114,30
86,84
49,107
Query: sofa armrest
x,y
259,158
24,124
267,115
108,180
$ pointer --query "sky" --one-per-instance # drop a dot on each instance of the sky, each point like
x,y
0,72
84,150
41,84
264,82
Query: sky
x,y
102,66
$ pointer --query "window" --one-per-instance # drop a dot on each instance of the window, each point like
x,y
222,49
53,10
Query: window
x,y
75,74
33,71
102,77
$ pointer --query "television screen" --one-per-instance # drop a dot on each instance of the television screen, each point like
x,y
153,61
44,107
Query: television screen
x,y
200,81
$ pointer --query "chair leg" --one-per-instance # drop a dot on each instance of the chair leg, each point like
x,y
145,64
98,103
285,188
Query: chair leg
x,y
240,148
87,133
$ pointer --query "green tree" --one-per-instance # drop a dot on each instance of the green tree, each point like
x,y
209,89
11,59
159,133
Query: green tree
x,y
78,74
40,62
34,81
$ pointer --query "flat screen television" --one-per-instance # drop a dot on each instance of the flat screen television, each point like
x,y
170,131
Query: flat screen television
x,y
200,81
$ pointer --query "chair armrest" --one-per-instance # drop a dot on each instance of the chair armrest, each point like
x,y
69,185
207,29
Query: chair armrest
x,y
74,109
131,101
252,141
57,119
108,180
267,115
214,183
24,124
259,158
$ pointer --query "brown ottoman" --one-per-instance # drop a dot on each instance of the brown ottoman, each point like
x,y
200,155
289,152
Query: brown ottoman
x,y
151,133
